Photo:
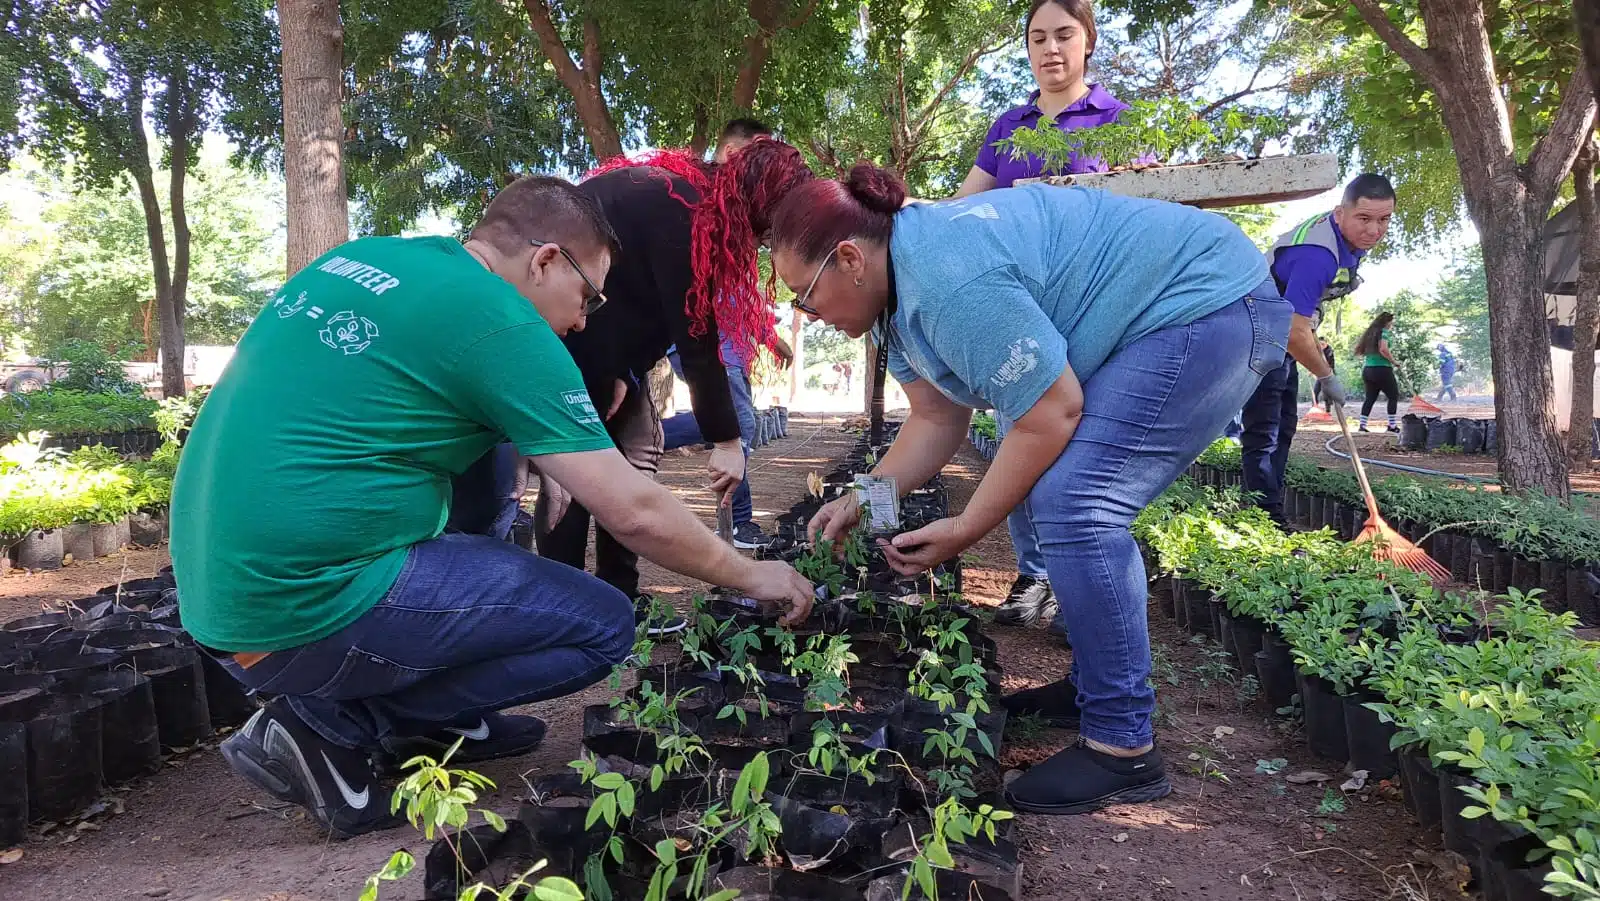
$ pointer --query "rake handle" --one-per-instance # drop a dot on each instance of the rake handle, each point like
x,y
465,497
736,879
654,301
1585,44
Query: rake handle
x,y
1355,458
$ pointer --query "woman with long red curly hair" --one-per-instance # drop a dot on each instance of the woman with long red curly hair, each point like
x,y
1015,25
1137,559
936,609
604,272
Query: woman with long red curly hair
x,y
686,275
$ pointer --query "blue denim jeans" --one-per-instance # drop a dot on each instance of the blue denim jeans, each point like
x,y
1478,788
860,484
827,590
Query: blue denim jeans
x,y
1148,413
474,624
484,499
1270,418
683,430
1024,540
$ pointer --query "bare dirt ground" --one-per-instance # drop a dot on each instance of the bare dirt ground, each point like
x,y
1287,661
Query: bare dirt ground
x,y
197,833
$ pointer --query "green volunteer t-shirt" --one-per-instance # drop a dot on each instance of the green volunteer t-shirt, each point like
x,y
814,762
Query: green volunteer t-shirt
x,y
327,448
1375,358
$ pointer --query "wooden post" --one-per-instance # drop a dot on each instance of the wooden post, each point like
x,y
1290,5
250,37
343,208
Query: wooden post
x,y
797,343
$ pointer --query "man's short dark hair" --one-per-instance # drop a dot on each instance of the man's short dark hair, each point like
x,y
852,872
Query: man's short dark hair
x,y
1368,186
743,129
544,208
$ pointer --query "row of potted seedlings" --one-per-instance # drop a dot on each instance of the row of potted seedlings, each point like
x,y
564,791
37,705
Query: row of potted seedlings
x,y
1486,708
1487,539
853,757
95,694
984,435
87,504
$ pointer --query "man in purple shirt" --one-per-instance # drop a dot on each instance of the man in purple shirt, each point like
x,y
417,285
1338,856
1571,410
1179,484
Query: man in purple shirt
x,y
1314,262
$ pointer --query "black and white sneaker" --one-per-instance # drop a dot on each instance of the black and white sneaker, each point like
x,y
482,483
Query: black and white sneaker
x,y
656,617
1030,600
1083,780
277,752
747,536
495,736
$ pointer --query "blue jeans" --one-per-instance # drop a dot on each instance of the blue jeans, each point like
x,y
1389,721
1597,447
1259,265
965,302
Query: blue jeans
x,y
1270,419
474,624
1148,413
683,430
1024,540
484,498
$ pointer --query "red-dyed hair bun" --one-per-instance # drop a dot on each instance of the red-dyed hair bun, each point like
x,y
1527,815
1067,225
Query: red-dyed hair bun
x,y
877,189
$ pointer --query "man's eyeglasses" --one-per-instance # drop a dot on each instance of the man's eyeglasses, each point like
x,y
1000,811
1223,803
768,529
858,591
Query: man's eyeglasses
x,y
596,298
802,303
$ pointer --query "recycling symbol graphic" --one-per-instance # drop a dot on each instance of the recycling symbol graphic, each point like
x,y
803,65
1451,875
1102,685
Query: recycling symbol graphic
x,y
348,332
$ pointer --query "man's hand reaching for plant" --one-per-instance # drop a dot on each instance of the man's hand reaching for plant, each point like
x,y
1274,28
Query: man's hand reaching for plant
x,y
915,552
777,582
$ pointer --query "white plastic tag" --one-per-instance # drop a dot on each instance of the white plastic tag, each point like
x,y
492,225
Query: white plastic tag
x,y
882,500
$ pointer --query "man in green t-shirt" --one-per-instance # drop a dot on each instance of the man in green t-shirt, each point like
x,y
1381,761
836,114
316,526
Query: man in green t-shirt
x,y
327,546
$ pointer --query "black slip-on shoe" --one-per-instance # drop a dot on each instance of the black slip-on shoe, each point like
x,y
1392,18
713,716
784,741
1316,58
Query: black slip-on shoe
x,y
1083,780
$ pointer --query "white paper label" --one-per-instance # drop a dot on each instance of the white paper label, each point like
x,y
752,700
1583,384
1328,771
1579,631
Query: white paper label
x,y
882,500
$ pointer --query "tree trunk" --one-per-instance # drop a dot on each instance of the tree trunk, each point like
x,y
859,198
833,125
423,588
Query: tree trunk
x,y
181,120
1531,453
1510,217
1580,431
583,83
1586,14
700,138
313,128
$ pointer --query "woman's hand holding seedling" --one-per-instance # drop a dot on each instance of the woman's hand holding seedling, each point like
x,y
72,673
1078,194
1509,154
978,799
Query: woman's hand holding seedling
x,y
918,551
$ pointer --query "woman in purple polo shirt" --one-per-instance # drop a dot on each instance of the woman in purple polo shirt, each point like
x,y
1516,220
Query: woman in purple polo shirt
x,y
1060,35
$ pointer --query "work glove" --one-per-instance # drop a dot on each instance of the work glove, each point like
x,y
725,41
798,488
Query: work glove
x,y
1332,389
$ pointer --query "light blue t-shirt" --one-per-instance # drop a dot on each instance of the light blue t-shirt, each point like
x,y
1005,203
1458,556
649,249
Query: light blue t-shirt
x,y
998,292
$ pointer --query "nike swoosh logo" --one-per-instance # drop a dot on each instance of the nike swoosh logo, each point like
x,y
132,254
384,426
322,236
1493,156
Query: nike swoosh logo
x,y
356,800
481,733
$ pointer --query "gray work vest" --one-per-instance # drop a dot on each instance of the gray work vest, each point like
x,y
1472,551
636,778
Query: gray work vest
x,y
1318,232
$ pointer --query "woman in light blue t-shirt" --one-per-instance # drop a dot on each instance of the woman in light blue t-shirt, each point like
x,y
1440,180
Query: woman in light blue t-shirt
x,y
1119,335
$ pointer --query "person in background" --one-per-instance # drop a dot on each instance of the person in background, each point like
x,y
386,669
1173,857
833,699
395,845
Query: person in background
x,y
1117,368
685,275
1447,373
1316,389
1060,37
328,551
1377,371
1312,263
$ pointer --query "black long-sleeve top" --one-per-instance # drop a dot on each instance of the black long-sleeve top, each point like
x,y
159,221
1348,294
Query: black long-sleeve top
x,y
646,293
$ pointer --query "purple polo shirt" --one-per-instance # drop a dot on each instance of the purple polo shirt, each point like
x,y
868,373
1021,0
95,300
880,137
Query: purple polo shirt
x,y
1097,107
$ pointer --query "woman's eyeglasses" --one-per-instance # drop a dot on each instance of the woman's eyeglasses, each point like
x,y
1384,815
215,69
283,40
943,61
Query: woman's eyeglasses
x,y
802,303
596,298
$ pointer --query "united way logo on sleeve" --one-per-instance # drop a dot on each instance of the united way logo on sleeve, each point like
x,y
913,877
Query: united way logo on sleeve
x,y
1022,360
349,333
581,407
